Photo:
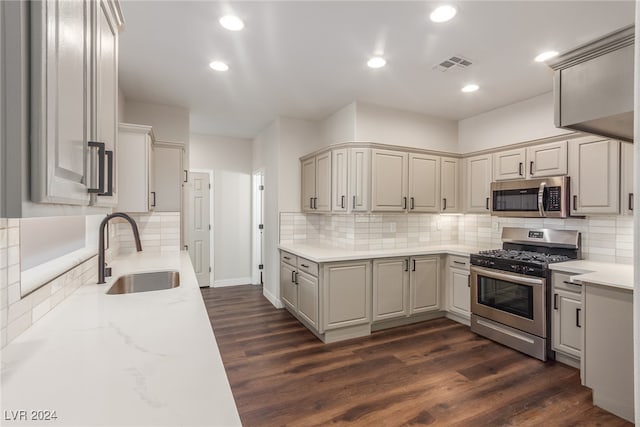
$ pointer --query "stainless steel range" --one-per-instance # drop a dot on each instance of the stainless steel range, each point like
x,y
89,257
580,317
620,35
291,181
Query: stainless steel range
x,y
511,287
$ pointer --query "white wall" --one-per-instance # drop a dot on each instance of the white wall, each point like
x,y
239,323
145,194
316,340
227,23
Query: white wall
x,y
230,160
169,123
519,122
391,126
339,126
266,157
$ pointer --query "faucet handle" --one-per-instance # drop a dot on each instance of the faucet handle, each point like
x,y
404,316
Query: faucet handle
x,y
107,271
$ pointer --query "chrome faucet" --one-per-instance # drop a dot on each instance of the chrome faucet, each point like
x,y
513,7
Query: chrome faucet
x,y
103,271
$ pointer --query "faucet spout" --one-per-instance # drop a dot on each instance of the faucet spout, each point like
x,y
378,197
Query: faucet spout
x,y
102,270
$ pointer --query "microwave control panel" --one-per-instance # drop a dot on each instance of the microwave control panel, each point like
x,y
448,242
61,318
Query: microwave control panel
x,y
554,199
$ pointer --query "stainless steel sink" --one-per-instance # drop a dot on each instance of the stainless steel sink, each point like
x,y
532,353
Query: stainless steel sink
x,y
145,282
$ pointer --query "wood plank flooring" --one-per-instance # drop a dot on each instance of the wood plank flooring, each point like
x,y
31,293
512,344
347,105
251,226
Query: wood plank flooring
x,y
431,373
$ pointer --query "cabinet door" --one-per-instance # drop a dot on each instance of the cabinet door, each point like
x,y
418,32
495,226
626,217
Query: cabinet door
x,y
547,159
567,322
339,183
626,178
134,170
459,292
323,182
389,180
450,185
168,173
424,284
359,178
106,90
346,294
509,164
61,101
478,179
288,287
390,288
308,298
594,168
424,183
308,168
151,176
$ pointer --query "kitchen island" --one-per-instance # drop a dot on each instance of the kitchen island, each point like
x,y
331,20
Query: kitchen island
x,y
137,359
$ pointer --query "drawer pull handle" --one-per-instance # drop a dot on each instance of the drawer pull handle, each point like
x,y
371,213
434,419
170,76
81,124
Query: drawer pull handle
x,y
287,257
566,282
555,301
578,318
304,265
459,262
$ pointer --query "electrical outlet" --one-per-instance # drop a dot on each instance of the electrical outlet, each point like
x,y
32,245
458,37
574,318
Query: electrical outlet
x,y
439,225
495,225
392,227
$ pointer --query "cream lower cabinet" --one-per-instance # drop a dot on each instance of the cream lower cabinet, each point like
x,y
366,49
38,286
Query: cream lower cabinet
x,y
299,287
566,317
288,287
405,286
346,294
594,169
459,297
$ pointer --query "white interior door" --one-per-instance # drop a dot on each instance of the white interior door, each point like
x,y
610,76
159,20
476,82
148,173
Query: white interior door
x,y
200,227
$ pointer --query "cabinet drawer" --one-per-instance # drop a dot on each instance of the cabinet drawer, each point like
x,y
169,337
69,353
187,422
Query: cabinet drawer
x,y
308,266
563,281
288,258
459,262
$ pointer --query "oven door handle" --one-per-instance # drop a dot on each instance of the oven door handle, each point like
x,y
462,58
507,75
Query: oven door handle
x,y
523,280
541,198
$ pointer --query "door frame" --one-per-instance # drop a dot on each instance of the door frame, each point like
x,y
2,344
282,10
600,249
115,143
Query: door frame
x,y
211,217
257,246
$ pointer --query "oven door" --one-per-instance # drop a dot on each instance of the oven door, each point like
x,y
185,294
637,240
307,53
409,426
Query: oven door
x,y
513,300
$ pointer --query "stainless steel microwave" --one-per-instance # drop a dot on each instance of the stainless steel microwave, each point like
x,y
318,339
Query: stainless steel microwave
x,y
543,197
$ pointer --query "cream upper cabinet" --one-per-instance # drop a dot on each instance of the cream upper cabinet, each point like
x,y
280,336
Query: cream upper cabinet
x,y
389,186
509,164
626,177
424,183
339,180
390,288
547,159
478,177
169,175
594,171
136,159
74,99
424,284
316,183
359,178
450,185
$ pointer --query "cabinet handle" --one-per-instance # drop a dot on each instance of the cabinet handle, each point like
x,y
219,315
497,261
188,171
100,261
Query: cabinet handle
x,y
404,203
315,203
110,168
406,265
566,282
153,205
530,168
354,202
101,156
304,265
460,262
293,277
286,257
630,201
310,202
578,318
413,203
555,301
414,265
186,176
575,202
342,202
444,204
296,276
487,203
520,168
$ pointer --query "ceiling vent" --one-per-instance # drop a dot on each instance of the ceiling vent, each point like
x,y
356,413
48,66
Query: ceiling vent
x,y
455,62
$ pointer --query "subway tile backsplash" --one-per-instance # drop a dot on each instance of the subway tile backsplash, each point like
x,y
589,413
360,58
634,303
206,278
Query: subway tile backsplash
x,y
606,239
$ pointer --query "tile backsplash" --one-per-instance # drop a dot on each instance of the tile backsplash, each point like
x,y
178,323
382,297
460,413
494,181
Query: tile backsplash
x,y
159,232
606,239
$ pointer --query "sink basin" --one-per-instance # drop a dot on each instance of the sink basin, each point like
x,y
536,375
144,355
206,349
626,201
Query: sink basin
x,y
145,282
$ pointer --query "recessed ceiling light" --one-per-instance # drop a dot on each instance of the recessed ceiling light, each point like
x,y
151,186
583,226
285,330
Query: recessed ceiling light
x,y
219,66
546,55
377,62
443,13
470,88
231,23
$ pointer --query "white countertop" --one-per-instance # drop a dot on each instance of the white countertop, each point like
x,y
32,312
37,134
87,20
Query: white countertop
x,y
142,359
598,273
330,254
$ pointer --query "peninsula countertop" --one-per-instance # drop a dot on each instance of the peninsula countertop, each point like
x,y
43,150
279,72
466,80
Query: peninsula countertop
x,y
141,359
598,273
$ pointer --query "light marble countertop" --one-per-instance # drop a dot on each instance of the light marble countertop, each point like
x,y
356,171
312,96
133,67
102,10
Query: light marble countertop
x,y
321,253
142,359
598,273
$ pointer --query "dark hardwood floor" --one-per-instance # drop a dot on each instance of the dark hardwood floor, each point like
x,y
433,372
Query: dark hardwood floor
x,y
436,372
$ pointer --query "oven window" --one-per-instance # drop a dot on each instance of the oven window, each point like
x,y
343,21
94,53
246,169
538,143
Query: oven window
x,y
506,296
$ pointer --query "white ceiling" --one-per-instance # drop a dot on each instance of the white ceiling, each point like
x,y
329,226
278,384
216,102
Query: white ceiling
x,y
307,59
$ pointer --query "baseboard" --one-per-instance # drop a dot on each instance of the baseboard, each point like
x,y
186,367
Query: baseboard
x,y
272,299
232,282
